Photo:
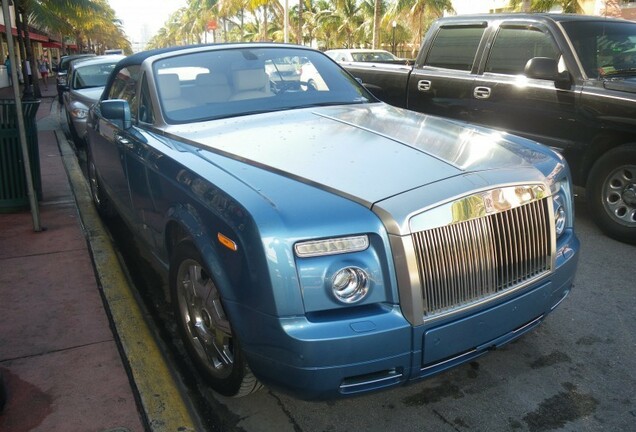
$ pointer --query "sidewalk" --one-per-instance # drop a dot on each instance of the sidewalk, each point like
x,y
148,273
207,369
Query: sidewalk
x,y
63,354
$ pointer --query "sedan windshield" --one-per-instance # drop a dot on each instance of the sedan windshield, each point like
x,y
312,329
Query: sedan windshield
x,y
91,76
236,81
605,48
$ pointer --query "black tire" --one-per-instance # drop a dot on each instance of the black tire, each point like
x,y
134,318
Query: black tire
x,y
611,193
3,393
204,328
101,201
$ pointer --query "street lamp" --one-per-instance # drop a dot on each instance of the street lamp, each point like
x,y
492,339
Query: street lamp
x,y
394,26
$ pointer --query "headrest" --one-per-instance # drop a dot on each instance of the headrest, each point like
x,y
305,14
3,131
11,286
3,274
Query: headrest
x,y
169,85
211,79
250,79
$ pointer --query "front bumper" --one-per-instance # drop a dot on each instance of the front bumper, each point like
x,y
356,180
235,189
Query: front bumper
x,y
375,348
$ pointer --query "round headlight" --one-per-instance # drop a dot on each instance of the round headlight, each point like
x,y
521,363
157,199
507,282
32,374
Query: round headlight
x,y
350,284
560,219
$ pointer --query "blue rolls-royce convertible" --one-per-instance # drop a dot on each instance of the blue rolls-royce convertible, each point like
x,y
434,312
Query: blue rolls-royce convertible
x,y
316,240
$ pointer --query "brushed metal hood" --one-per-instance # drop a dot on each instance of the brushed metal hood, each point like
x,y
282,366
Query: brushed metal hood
x,y
88,96
366,152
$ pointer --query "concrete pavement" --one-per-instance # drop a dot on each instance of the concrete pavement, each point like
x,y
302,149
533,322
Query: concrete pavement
x,y
76,352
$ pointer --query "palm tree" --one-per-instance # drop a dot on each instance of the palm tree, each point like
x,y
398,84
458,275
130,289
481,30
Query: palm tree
x,y
567,6
93,20
420,13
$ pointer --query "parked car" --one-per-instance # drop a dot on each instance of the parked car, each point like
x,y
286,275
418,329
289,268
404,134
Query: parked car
x,y
322,242
61,71
87,77
310,79
364,55
567,81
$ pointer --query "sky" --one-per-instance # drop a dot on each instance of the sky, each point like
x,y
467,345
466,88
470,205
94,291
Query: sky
x,y
142,18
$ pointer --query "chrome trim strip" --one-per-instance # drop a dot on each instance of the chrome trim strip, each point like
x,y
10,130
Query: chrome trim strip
x,y
434,365
373,381
478,205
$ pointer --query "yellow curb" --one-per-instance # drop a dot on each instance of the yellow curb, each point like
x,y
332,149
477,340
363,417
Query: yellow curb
x,y
162,401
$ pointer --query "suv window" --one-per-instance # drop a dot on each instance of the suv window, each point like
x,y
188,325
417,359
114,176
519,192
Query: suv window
x,y
605,48
455,47
514,46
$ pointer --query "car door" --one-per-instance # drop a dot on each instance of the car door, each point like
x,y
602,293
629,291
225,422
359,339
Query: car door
x,y
137,153
442,80
534,108
107,144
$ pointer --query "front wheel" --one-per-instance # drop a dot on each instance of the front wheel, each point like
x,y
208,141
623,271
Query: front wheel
x,y
204,327
101,201
611,193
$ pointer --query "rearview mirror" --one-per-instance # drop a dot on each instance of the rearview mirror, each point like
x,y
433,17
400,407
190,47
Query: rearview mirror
x,y
547,69
117,111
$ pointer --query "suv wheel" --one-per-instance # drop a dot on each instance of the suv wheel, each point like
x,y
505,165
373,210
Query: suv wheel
x,y
611,193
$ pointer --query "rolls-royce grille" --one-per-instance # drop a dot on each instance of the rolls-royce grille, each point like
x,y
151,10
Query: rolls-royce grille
x,y
468,261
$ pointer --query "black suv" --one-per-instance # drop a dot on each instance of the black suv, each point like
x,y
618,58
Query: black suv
x,y
567,81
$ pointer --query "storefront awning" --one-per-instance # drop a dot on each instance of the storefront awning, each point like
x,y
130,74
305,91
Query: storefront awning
x,y
51,44
34,36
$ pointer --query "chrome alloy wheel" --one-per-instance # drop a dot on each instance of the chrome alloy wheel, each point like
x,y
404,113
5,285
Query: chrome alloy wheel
x,y
204,319
619,195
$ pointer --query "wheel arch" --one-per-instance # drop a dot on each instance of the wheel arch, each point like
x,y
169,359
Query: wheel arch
x,y
599,146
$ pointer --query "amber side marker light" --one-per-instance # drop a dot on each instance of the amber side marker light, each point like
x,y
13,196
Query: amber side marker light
x,y
227,242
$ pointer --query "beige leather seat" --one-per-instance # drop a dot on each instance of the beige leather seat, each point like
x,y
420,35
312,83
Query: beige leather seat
x,y
250,84
170,91
212,88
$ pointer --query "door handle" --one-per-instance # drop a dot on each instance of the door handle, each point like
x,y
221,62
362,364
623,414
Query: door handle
x,y
125,142
481,92
423,85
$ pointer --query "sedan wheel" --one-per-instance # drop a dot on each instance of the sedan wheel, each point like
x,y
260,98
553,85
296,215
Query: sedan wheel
x,y
611,193
99,198
204,326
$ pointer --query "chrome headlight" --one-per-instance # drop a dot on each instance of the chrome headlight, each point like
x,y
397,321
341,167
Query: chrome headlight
x,y
79,113
350,284
563,205
560,215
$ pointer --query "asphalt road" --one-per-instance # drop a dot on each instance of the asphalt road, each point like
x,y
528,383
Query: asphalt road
x,y
576,372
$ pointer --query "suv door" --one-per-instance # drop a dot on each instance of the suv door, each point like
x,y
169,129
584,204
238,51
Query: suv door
x,y
534,108
442,80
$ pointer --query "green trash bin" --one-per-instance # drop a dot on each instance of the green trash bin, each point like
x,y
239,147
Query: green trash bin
x,y
14,192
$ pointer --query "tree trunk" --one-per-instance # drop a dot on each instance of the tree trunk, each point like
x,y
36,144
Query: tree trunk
x,y
265,30
526,6
29,58
300,22
376,24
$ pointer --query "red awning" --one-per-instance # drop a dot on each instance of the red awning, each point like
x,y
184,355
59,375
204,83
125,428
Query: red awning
x,y
51,44
32,35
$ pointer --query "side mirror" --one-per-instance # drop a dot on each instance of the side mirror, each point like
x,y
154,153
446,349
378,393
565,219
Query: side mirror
x,y
116,111
547,69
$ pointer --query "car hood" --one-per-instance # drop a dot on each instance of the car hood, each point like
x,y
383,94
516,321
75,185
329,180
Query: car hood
x,y
88,95
366,152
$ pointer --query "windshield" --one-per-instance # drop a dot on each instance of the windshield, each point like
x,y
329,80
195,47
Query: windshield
x,y
605,48
91,76
239,81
